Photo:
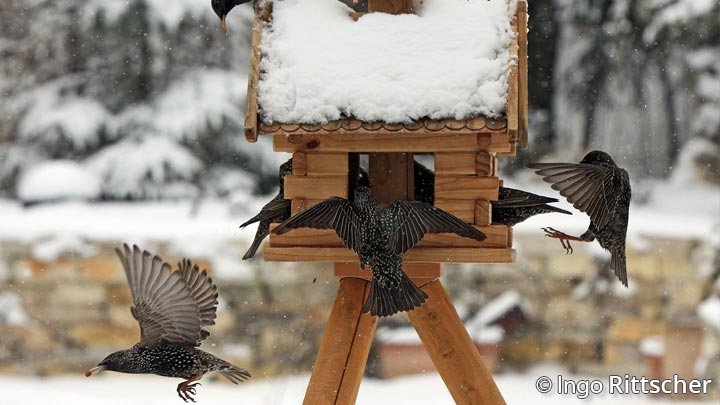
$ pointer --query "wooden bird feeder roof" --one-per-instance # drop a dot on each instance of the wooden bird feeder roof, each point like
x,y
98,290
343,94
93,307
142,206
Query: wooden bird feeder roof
x,y
351,134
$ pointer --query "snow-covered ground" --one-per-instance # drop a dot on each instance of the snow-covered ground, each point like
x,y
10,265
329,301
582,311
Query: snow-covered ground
x,y
113,388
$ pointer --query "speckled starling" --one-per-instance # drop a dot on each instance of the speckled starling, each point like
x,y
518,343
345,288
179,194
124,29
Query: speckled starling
x,y
172,308
598,187
222,9
380,235
514,206
274,212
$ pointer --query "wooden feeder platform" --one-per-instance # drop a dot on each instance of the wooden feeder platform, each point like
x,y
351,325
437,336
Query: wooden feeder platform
x,y
325,162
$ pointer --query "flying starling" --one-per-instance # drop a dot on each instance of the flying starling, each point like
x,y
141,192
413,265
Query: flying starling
x,y
222,9
380,235
598,187
172,308
514,206
274,212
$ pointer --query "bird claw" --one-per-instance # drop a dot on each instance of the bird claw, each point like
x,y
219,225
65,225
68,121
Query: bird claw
x,y
564,238
186,391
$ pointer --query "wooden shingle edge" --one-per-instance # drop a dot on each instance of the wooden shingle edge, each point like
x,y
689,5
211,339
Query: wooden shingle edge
x,y
523,73
251,107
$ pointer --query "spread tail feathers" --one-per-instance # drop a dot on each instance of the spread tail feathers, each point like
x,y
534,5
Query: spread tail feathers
x,y
618,263
235,374
262,232
385,301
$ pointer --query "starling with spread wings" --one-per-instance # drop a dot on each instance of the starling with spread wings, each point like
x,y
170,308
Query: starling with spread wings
x,y
274,212
380,235
172,308
514,206
601,189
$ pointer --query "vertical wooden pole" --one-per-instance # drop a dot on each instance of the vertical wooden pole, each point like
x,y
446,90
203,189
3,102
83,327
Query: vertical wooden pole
x,y
344,349
391,176
452,351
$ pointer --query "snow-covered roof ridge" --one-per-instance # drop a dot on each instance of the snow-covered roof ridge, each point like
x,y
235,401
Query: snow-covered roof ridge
x,y
451,61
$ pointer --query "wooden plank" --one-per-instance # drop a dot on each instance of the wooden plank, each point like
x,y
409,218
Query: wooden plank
x,y
512,100
523,74
484,164
344,349
315,187
327,164
299,161
391,176
510,152
378,142
417,255
463,209
465,187
308,237
455,164
251,105
494,142
452,350
416,271
483,212
301,204
390,6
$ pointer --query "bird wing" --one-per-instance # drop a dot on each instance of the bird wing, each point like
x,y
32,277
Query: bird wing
x,y
203,291
411,220
165,306
334,213
510,197
590,188
276,207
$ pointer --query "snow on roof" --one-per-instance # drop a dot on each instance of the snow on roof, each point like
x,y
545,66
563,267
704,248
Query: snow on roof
x,y
58,180
496,308
450,60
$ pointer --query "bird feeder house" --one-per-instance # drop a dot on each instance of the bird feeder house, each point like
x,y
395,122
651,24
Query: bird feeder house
x,y
465,145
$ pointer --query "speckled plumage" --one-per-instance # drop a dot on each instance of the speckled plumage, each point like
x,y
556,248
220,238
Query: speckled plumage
x,y
598,187
274,212
172,308
380,235
424,183
514,206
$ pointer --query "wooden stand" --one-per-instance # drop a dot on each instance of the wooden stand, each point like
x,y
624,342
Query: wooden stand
x,y
344,350
325,165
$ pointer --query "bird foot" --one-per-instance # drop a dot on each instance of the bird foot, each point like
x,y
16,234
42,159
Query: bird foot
x,y
564,238
186,391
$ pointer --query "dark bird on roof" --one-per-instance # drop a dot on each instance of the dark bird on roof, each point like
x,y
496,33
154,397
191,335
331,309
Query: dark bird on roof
x,y
274,212
514,206
172,308
598,187
380,235
222,9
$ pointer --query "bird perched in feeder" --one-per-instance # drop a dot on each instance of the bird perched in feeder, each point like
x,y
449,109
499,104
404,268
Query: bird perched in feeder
x,y
514,206
601,189
274,212
172,308
222,9
424,183
380,235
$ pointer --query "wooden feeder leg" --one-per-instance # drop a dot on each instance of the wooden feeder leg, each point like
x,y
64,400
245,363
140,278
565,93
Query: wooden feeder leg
x,y
452,351
344,349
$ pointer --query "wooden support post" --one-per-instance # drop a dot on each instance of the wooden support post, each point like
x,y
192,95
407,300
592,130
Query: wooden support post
x,y
391,176
452,351
344,350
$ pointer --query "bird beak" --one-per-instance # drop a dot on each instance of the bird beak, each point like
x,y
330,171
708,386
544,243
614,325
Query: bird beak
x,y
94,370
223,24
